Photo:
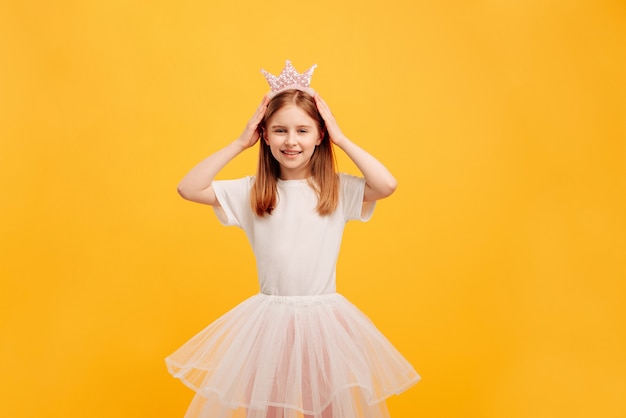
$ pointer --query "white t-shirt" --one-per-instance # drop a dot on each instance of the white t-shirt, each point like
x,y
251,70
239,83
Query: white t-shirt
x,y
296,249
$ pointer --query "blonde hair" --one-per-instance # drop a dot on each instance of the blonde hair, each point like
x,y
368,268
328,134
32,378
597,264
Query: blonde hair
x,y
323,179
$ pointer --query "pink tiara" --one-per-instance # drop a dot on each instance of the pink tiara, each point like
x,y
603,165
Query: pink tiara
x,y
289,78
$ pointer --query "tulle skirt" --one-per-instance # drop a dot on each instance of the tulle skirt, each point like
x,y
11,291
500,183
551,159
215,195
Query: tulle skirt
x,y
291,357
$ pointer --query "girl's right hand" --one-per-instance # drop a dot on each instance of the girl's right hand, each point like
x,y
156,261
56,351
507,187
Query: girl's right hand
x,y
250,134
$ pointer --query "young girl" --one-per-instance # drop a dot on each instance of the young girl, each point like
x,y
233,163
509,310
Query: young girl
x,y
297,348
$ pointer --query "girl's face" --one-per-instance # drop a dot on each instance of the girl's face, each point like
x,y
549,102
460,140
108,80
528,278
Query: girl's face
x,y
292,136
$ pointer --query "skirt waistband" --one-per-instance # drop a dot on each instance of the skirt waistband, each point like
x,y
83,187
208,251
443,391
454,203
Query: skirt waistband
x,y
300,298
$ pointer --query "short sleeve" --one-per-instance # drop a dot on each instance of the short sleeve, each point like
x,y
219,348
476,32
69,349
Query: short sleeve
x,y
351,198
234,199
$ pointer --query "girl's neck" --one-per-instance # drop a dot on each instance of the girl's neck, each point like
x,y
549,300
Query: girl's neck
x,y
286,175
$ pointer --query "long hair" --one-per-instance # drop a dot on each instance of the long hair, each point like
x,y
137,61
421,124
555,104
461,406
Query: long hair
x,y
323,177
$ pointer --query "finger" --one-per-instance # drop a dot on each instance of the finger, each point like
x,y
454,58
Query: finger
x,y
318,100
323,107
325,112
258,115
262,106
260,111
321,101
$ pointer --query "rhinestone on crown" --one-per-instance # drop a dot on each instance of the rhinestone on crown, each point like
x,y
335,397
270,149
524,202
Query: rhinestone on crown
x,y
289,78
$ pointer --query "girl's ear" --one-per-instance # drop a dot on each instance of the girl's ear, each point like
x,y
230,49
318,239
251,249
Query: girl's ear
x,y
321,137
263,135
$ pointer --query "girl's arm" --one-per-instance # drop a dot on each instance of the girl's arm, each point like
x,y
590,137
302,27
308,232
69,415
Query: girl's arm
x,y
379,183
197,183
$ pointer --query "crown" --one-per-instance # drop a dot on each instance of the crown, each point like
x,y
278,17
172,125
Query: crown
x,y
289,78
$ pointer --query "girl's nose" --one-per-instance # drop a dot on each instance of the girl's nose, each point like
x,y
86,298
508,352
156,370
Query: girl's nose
x,y
291,138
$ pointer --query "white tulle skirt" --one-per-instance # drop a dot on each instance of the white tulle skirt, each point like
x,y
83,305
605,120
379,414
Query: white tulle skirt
x,y
288,357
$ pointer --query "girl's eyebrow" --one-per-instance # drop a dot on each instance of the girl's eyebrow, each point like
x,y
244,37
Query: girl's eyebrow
x,y
284,126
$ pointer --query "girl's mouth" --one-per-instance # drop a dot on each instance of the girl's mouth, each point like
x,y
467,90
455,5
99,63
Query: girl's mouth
x,y
291,153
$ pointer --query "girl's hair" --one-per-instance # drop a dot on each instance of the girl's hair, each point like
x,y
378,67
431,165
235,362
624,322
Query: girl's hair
x,y
323,179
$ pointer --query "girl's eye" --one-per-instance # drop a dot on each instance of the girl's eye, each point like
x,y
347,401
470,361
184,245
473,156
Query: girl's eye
x,y
279,130
302,131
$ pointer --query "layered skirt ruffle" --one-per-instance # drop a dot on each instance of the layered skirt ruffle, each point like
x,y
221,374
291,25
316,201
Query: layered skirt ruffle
x,y
288,357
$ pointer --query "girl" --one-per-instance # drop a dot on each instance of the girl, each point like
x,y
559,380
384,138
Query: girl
x,y
298,348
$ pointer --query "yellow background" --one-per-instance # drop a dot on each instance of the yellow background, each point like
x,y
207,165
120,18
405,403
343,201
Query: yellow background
x,y
498,268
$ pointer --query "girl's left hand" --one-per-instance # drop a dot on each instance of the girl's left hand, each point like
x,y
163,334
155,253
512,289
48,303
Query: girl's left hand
x,y
335,134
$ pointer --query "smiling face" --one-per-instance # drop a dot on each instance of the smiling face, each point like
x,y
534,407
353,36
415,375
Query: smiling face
x,y
294,145
292,136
